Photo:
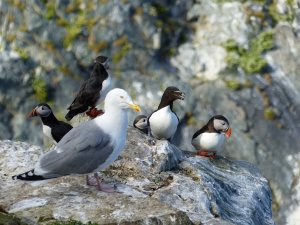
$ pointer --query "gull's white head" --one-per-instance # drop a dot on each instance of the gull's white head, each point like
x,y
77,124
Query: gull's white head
x,y
119,98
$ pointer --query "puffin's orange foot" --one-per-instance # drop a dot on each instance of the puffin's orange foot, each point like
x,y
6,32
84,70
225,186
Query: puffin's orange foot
x,y
205,153
94,112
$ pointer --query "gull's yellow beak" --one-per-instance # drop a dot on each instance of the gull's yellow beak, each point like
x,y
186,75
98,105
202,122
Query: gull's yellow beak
x,y
134,107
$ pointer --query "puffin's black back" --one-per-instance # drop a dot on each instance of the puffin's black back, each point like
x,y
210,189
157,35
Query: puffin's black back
x,y
89,92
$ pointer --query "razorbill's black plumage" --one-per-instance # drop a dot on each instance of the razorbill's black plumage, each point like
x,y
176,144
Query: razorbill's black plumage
x,y
141,123
210,138
52,128
163,121
92,91
91,146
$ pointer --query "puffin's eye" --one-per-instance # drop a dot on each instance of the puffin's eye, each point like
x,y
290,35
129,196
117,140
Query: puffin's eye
x,y
122,97
144,120
223,123
43,108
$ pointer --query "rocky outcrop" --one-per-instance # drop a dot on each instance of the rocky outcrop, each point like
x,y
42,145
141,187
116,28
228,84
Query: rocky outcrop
x,y
157,184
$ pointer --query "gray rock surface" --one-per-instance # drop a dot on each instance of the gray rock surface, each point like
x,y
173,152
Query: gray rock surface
x,y
158,184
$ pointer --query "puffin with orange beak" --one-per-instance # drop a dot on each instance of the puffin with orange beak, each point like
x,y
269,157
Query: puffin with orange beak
x,y
210,138
52,127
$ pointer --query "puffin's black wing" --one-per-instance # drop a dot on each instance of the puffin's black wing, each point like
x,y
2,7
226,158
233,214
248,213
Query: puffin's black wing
x,y
87,96
202,130
60,130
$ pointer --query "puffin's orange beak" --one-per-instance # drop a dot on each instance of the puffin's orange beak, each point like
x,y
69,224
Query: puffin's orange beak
x,y
228,132
32,113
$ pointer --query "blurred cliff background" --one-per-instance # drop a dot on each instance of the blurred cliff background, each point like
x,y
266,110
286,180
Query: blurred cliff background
x,y
236,58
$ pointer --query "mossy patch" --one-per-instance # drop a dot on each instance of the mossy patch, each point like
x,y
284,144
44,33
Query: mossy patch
x,y
10,37
288,15
50,10
250,60
81,22
22,53
123,48
71,33
270,113
233,85
19,4
97,46
236,85
10,219
40,89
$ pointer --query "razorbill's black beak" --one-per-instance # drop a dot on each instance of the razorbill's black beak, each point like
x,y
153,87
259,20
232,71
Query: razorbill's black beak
x,y
179,94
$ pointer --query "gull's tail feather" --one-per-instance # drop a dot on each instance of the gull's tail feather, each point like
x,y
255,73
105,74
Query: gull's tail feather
x,y
29,175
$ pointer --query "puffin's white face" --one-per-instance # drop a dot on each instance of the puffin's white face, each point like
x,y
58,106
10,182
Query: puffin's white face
x,y
221,125
120,98
142,123
41,110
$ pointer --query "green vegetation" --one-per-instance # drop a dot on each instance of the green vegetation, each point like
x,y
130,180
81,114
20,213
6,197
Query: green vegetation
x,y
71,222
50,11
10,37
236,85
289,14
19,4
250,60
40,89
71,33
271,11
170,27
9,219
22,53
191,120
78,23
124,48
97,46
270,113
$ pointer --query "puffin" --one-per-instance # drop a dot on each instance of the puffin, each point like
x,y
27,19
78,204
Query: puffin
x,y
92,91
210,138
89,147
141,123
52,127
163,122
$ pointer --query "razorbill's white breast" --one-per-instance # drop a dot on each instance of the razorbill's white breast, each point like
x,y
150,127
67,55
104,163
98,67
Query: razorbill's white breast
x,y
163,122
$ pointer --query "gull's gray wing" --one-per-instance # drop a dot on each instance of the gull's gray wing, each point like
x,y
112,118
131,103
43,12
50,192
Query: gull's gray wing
x,y
80,151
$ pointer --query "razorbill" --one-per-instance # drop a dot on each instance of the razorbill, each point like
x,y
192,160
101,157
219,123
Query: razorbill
x,y
141,123
91,146
92,91
163,122
52,128
210,138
